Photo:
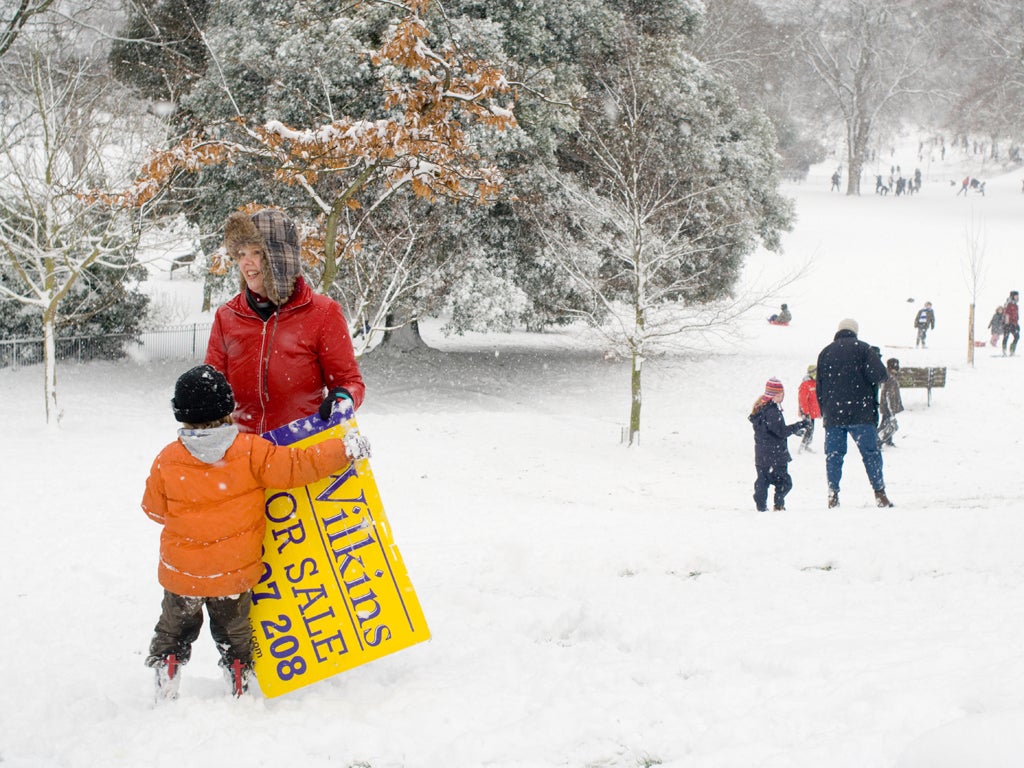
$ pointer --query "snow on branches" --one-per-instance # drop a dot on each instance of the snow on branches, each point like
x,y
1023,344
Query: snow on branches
x,y
429,97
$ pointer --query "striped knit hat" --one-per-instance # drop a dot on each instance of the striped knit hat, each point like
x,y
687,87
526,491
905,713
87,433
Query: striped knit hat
x,y
772,388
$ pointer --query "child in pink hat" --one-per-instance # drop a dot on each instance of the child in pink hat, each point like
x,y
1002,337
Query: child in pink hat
x,y
771,454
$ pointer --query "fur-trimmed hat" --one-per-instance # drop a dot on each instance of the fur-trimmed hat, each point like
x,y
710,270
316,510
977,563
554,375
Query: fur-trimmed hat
x,y
849,324
202,395
278,236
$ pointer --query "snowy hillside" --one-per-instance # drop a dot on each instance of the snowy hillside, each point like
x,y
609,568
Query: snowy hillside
x,y
590,605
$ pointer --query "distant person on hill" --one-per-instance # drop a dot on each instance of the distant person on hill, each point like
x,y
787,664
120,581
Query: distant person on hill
x,y
835,182
1011,322
964,186
771,455
807,400
996,326
849,372
782,317
890,402
923,321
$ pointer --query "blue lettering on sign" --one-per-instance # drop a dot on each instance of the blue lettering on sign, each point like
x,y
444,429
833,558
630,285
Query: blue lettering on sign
x,y
347,532
294,533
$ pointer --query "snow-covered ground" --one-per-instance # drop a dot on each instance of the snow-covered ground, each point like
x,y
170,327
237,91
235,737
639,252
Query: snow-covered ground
x,y
590,605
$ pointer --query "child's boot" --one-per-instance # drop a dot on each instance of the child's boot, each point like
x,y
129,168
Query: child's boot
x,y
237,673
168,678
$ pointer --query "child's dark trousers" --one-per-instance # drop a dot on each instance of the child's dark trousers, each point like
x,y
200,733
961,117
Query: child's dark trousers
x,y
777,476
181,619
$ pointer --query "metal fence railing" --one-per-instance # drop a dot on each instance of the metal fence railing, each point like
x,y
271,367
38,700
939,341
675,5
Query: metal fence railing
x,y
178,342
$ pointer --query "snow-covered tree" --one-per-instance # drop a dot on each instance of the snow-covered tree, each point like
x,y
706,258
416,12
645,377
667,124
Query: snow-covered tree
x,y
14,15
872,57
983,69
754,51
673,185
62,132
419,107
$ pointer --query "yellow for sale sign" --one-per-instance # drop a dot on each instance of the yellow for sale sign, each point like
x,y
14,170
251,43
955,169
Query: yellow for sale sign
x,y
334,593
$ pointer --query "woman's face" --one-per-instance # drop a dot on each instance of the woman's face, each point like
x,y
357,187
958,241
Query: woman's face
x,y
250,264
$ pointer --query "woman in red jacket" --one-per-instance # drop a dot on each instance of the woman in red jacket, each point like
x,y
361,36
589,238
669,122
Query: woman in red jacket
x,y
807,401
286,351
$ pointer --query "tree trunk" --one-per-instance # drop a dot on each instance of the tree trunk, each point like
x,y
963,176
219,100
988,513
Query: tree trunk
x,y
635,391
50,369
207,290
402,336
857,132
970,336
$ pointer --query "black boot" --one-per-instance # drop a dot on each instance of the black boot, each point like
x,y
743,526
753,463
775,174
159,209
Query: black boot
x,y
881,499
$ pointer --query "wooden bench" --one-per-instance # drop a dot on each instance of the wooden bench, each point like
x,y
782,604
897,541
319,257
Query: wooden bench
x,y
922,378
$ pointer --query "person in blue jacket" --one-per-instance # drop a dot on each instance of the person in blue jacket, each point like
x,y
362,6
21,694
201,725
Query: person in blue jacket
x,y
771,454
849,373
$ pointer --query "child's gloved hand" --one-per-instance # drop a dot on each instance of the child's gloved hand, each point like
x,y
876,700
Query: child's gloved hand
x,y
327,406
357,446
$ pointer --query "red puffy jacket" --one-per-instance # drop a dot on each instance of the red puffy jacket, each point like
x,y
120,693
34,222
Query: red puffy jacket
x,y
1010,314
807,398
281,369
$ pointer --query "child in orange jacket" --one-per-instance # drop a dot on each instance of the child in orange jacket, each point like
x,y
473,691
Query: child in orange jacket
x,y
807,402
207,489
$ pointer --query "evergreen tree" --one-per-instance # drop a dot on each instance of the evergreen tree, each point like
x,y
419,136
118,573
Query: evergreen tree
x,y
672,185
160,51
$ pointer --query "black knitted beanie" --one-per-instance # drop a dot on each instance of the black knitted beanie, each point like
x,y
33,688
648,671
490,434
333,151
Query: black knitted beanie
x,y
202,395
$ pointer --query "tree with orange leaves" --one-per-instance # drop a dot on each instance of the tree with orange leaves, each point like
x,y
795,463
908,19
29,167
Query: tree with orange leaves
x,y
423,140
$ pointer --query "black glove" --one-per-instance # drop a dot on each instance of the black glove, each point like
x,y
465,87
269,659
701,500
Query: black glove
x,y
335,395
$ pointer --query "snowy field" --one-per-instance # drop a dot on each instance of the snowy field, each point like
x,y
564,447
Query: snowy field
x,y
591,606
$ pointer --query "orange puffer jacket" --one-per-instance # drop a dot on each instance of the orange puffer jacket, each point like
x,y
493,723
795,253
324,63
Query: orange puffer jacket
x,y
213,513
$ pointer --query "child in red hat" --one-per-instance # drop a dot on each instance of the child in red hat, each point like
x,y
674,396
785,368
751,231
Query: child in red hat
x,y
771,455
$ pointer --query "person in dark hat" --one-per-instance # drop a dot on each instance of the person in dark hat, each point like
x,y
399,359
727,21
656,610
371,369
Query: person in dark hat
x,y
207,489
924,320
285,350
890,403
849,373
1011,322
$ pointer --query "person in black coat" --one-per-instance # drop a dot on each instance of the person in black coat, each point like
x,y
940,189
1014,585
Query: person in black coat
x,y
771,454
923,320
849,373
